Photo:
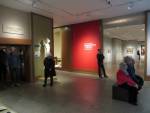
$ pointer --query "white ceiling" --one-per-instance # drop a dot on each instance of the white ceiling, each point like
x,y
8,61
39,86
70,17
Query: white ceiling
x,y
131,32
66,12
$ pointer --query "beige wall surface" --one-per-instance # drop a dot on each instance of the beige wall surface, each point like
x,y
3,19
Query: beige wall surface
x,y
148,46
14,23
58,43
116,49
42,29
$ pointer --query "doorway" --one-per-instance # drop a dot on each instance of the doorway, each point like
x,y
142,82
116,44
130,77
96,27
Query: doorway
x,y
124,38
14,63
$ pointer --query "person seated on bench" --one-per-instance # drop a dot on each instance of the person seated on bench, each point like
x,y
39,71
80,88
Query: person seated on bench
x,y
124,81
131,70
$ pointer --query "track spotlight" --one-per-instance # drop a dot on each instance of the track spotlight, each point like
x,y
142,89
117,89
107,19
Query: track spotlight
x,y
130,5
34,3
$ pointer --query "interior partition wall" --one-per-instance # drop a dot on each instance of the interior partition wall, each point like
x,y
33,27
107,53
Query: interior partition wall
x,y
42,41
15,30
147,72
124,36
86,39
79,46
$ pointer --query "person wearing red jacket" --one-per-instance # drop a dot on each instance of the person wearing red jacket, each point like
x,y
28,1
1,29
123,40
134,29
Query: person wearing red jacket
x,y
125,81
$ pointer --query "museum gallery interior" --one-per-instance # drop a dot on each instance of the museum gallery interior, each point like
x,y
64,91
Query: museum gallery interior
x,y
71,32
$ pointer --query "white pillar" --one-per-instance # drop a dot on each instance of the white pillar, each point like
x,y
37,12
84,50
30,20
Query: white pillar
x,y
148,46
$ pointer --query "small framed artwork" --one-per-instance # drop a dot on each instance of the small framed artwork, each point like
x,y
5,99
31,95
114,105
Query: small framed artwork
x,y
130,50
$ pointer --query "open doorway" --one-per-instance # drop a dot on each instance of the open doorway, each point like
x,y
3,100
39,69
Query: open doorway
x,y
58,47
125,39
14,68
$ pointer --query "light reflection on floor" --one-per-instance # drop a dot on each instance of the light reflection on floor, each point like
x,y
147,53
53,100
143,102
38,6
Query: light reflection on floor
x,y
111,69
71,93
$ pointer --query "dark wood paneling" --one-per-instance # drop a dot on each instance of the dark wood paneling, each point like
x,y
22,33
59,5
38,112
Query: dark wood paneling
x,y
15,41
66,49
29,76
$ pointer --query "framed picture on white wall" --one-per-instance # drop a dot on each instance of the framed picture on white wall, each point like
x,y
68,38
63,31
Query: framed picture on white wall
x,y
130,50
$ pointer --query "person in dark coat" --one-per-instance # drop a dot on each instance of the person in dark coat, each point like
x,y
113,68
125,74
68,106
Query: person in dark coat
x,y
131,70
3,65
14,66
100,60
49,70
138,53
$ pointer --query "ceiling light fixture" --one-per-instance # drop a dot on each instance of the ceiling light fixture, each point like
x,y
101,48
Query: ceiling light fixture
x,y
34,3
130,5
143,29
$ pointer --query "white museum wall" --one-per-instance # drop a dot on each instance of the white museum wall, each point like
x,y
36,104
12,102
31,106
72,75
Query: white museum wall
x,y
148,44
58,45
14,23
118,49
107,49
133,46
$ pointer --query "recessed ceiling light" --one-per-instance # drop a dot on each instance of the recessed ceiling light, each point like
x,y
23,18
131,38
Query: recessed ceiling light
x,y
143,29
130,5
66,28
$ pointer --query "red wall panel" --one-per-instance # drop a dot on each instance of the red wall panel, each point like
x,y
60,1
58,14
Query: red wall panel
x,y
86,41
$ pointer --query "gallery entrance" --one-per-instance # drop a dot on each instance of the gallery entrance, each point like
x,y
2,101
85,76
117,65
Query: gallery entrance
x,y
124,36
22,50
14,64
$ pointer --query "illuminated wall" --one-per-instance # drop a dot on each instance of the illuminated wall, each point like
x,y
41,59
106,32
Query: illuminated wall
x,y
148,45
107,45
14,23
116,49
58,43
130,48
86,39
42,30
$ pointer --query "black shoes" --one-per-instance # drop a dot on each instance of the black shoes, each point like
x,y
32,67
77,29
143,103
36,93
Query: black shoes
x,y
133,103
44,85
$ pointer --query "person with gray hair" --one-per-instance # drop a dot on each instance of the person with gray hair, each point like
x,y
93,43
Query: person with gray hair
x,y
131,70
124,81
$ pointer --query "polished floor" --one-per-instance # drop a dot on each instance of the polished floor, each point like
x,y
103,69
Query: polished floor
x,y
71,93
111,69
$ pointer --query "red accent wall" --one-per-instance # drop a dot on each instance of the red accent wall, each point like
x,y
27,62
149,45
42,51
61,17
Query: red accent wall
x,y
86,40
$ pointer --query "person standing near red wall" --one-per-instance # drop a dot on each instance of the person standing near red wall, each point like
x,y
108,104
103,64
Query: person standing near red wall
x,y
100,60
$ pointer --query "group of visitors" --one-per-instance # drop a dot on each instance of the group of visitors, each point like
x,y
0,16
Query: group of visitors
x,y
128,79
10,65
126,76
